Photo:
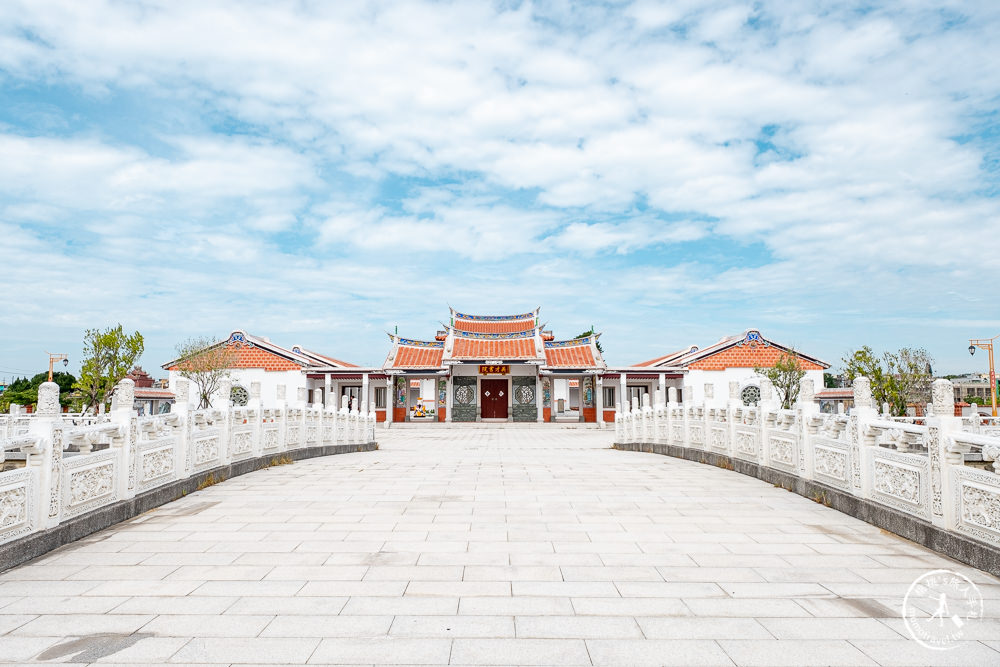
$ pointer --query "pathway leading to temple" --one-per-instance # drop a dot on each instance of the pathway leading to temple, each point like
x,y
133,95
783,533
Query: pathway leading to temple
x,y
478,546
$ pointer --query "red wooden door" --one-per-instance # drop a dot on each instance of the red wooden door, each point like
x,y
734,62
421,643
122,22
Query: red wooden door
x,y
493,398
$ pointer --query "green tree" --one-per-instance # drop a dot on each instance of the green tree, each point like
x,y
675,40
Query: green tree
x,y
786,376
897,378
590,332
108,356
830,381
25,392
205,363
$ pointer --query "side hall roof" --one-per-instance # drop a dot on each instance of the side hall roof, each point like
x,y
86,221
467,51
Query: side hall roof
x,y
576,353
410,353
750,339
322,359
249,349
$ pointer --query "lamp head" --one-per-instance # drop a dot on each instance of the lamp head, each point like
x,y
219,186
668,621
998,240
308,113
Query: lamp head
x,y
972,349
65,362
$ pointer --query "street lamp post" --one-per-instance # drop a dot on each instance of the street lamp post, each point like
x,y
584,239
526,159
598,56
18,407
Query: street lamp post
x,y
987,344
54,358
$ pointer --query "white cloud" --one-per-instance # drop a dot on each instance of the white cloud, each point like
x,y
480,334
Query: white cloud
x,y
517,135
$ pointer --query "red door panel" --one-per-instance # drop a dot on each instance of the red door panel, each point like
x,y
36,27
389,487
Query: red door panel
x,y
493,398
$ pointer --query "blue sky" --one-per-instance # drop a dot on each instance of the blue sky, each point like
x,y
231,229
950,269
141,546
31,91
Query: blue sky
x,y
671,173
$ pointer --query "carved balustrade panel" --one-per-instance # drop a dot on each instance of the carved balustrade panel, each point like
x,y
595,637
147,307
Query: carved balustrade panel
x,y
718,427
241,433
976,503
270,437
783,440
831,450
18,495
899,480
205,446
313,423
155,451
294,433
89,481
329,427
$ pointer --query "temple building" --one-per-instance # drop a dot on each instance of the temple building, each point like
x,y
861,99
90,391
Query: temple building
x,y
494,368
730,359
499,368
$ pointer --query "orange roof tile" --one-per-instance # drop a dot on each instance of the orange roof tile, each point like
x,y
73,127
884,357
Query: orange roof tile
x,y
568,355
418,357
503,326
494,348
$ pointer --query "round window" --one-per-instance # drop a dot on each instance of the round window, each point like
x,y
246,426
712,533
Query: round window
x,y
239,396
750,395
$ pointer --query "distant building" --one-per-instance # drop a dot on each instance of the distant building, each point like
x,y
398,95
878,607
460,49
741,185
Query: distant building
x,y
971,385
731,359
832,401
257,359
495,368
149,399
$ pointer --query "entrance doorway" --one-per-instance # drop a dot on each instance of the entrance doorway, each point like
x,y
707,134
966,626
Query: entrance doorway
x,y
493,398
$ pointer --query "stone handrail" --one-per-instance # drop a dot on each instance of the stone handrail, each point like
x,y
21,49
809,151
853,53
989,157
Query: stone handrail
x,y
915,468
72,469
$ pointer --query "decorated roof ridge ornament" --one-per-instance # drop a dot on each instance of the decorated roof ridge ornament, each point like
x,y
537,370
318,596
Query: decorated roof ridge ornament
x,y
752,338
455,315
575,342
410,342
240,338
528,333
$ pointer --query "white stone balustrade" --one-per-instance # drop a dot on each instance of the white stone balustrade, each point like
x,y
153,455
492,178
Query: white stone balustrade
x,y
77,463
919,469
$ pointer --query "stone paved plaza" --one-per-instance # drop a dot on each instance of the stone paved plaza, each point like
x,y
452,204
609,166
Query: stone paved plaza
x,y
477,546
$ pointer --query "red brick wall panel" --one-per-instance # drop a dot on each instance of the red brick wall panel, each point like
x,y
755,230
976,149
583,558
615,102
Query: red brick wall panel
x,y
255,357
609,415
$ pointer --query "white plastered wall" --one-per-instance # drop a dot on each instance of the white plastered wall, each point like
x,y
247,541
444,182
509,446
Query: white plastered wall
x,y
269,381
697,379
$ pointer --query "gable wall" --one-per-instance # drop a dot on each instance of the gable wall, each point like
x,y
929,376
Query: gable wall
x,y
255,357
747,357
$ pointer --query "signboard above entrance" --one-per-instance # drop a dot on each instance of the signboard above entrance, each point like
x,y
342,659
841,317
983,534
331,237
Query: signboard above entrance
x,y
494,369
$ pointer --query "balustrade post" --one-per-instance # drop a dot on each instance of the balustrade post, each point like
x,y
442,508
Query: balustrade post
x,y
124,443
281,408
355,436
734,406
343,421
255,407
862,413
647,419
688,396
223,402
671,406
807,409
659,417
182,408
330,419
44,458
943,455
